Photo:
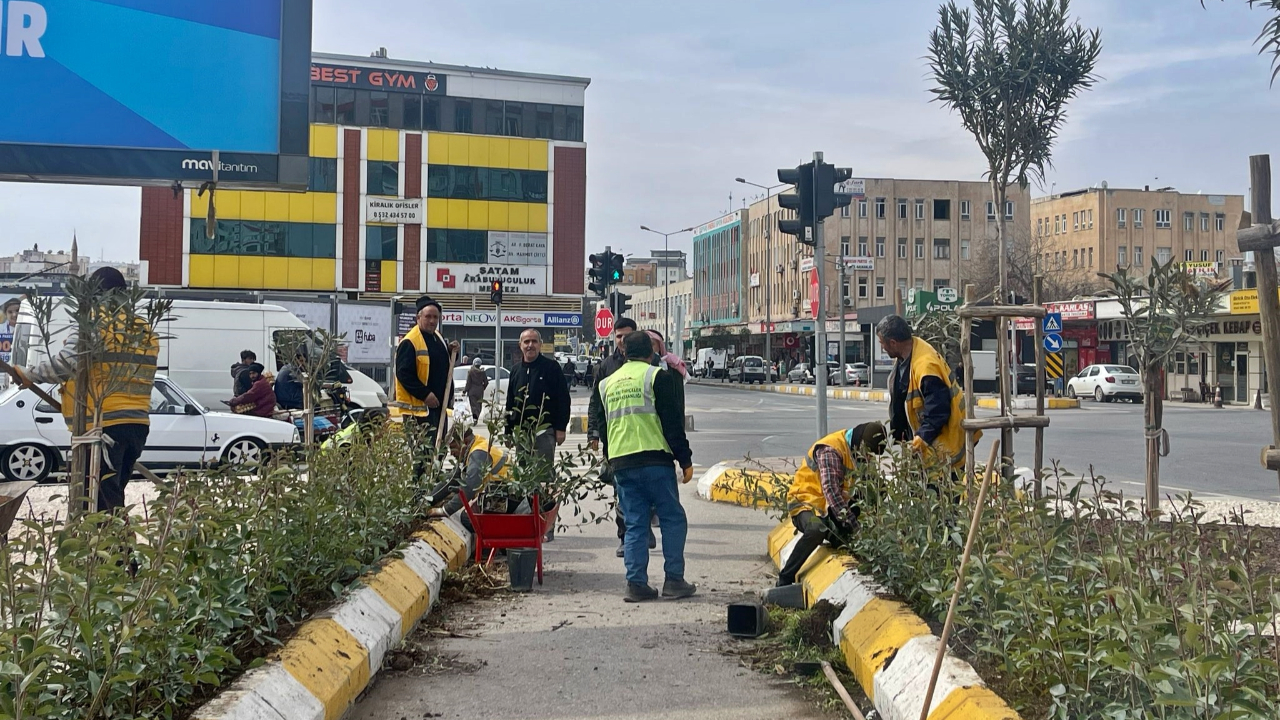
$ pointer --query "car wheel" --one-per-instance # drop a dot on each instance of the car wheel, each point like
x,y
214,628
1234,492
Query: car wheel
x,y
244,451
1071,391
29,463
1098,396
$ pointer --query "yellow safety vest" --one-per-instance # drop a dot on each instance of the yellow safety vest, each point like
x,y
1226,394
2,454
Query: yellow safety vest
x,y
134,366
499,469
631,412
806,489
925,361
404,403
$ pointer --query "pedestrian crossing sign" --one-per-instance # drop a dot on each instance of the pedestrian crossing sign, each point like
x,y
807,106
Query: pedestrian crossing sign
x,y
1052,323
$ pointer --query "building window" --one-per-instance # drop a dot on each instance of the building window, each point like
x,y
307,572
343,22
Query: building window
x,y
1090,219
324,175
462,246
941,209
1075,222
1075,258
1040,227
1204,222
1120,217
1219,255
879,247
1188,220
862,288
1008,209
919,248
1164,219
919,283
862,208
862,246
844,245
964,249
991,210
1138,216
1122,256
459,182
880,288
941,249
323,101
1188,255
380,242
919,209
1164,254
345,106
966,209
1219,222
379,109
1090,257
1137,254
844,211
902,287
902,247
902,209
879,208
844,292
383,178
940,283
1204,256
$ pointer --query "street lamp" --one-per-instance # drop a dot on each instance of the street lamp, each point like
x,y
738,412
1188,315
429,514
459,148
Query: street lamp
x,y
768,262
666,280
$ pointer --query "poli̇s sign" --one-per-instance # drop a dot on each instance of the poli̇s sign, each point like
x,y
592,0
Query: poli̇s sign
x,y
920,302
137,91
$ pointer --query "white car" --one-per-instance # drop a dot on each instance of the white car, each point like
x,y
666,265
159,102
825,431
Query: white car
x,y
1105,383
34,439
460,381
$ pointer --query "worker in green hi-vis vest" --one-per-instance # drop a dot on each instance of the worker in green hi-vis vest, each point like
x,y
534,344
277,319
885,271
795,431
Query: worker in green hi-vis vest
x,y
643,438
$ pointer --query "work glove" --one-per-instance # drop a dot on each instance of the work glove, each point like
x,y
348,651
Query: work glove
x,y
920,446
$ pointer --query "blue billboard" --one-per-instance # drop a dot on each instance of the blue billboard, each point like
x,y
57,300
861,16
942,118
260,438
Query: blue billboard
x,y
145,90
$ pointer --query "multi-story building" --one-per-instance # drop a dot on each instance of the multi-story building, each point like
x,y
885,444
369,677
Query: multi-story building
x,y
425,178
1099,229
717,272
902,234
640,271
45,262
666,309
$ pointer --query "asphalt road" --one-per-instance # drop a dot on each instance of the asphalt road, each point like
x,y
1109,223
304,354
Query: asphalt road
x,y
1213,451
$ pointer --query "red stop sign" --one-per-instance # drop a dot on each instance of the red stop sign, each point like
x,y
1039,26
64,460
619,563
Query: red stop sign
x,y
813,293
604,322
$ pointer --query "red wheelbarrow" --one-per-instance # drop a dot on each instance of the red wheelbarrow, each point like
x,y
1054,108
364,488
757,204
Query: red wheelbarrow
x,y
496,531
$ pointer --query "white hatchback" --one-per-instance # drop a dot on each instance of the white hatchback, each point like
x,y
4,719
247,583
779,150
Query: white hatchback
x,y
1105,383
34,439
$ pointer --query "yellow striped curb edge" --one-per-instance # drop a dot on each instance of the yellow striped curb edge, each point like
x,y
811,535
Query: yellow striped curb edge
x,y
1030,403
321,671
837,393
889,649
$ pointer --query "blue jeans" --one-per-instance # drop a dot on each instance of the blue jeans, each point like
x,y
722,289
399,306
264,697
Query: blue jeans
x,y
642,488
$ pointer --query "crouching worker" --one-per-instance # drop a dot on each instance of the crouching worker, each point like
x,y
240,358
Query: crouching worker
x,y
821,497
479,464
359,431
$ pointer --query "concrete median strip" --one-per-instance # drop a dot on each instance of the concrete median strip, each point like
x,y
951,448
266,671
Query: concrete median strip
x,y
321,671
838,393
889,649
1029,403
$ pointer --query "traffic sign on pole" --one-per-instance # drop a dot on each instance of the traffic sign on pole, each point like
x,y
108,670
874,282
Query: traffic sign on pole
x,y
1052,342
1052,322
1053,365
604,322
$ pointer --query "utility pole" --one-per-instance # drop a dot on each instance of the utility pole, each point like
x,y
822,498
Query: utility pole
x,y
820,327
495,295
844,377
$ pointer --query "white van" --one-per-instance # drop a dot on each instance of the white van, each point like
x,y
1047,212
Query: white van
x,y
201,340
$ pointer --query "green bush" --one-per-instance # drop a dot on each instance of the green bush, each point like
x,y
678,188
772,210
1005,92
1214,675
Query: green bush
x,y
222,565
1082,605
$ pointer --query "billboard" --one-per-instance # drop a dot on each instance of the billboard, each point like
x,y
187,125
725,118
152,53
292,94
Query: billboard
x,y
146,91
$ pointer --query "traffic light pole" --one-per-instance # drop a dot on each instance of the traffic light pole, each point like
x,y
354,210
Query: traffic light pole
x,y
820,322
497,343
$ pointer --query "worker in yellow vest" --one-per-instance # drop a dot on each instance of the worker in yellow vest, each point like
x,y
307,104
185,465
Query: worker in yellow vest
x,y
926,405
480,465
822,500
421,379
126,419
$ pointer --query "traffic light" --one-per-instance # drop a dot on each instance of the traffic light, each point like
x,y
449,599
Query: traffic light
x,y
615,267
495,292
826,199
599,276
801,201
620,303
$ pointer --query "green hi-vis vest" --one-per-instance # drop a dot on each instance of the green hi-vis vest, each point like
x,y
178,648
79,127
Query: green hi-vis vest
x,y
631,413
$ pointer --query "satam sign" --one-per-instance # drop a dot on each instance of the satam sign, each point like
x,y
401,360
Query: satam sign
x,y
460,278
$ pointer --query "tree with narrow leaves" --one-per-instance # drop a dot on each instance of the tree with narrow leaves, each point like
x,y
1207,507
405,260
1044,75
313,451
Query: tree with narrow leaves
x,y
1269,38
1009,69
1166,312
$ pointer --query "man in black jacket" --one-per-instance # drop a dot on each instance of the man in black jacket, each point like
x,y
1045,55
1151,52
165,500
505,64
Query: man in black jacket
x,y
240,373
538,403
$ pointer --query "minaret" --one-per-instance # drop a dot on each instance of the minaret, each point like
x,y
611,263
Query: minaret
x,y
75,253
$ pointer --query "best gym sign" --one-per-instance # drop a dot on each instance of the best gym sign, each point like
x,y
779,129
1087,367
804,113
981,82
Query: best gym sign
x,y
476,279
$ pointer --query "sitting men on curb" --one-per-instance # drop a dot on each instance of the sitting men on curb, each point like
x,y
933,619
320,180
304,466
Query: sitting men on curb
x,y
823,503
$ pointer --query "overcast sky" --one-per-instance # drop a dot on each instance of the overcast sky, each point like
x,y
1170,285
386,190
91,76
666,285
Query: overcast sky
x,y
685,96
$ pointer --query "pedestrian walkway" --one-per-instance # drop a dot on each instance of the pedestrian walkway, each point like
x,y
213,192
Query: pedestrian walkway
x,y
573,649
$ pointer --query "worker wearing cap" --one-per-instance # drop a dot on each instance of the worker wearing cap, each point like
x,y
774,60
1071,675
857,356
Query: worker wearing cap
x,y
126,419
481,464
821,498
421,379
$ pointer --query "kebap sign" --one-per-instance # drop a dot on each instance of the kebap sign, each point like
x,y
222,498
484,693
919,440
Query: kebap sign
x,y
145,91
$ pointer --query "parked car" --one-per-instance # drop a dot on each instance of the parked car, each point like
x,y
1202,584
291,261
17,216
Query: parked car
x,y
857,373
1026,381
747,369
1105,383
183,434
801,373
460,380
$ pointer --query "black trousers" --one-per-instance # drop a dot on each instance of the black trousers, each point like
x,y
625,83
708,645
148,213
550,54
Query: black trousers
x,y
813,532
421,432
117,462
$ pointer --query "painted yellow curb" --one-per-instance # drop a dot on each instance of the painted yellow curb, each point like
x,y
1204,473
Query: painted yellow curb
x,y
446,542
329,662
1030,404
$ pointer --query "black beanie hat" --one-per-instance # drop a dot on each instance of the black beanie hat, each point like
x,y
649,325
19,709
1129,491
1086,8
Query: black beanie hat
x,y
426,300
